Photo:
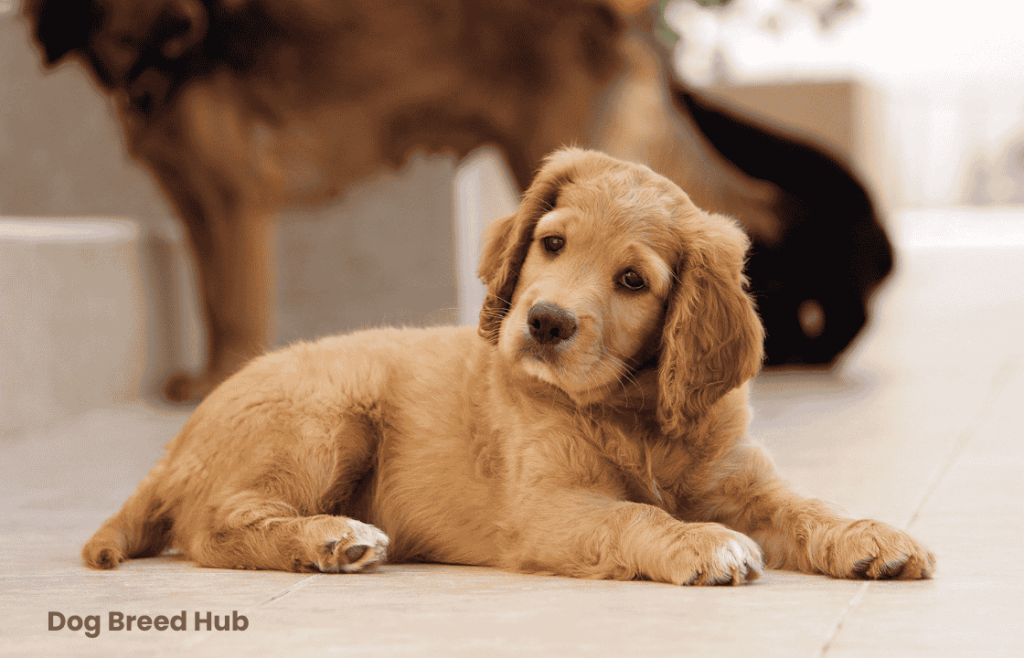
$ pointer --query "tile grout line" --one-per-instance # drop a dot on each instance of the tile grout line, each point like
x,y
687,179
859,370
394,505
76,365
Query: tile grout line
x,y
288,590
1002,377
196,639
999,381
841,619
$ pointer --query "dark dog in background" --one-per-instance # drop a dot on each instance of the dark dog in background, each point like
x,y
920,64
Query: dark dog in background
x,y
238,107
813,285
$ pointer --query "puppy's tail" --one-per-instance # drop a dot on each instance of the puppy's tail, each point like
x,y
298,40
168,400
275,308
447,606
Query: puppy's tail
x,y
141,529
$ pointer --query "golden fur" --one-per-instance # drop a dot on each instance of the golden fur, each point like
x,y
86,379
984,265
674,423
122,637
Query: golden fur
x,y
593,425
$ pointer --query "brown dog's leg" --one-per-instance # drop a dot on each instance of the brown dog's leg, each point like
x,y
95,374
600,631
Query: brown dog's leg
x,y
806,534
234,259
201,152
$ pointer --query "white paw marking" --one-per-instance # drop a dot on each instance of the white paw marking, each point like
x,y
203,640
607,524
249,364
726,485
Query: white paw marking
x,y
736,559
360,535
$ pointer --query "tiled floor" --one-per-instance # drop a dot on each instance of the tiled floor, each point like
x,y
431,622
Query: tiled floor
x,y
919,428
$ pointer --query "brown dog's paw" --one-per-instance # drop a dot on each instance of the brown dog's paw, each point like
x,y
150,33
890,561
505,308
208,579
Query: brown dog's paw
x,y
348,546
873,550
183,388
711,554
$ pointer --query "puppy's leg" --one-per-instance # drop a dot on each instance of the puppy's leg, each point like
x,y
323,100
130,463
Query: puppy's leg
x,y
281,501
142,528
593,535
250,531
803,533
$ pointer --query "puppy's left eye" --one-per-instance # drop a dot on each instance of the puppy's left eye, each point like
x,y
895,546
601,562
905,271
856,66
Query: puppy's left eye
x,y
632,280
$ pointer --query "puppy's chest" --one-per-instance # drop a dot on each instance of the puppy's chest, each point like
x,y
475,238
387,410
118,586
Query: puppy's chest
x,y
647,467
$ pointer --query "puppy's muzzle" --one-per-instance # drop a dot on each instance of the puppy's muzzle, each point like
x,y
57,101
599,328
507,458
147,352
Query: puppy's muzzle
x,y
550,324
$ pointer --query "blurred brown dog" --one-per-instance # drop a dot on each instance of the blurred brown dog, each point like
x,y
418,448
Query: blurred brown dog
x,y
237,107
596,426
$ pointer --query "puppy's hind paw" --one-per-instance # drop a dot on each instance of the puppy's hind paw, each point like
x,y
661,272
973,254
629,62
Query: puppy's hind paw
x,y
98,555
362,548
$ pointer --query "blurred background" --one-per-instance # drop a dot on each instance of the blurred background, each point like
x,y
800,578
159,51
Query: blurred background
x,y
924,99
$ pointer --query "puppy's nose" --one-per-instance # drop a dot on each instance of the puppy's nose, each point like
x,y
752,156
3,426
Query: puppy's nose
x,y
550,324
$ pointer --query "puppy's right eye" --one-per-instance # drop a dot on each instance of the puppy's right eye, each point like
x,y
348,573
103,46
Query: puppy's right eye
x,y
553,243
632,280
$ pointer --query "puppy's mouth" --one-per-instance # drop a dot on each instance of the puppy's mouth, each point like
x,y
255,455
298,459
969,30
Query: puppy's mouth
x,y
571,378
584,371
543,361
568,366
551,355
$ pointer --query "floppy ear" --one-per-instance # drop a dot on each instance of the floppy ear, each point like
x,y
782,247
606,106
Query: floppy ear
x,y
712,341
60,26
506,241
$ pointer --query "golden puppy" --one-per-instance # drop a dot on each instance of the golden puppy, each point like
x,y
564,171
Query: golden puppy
x,y
596,426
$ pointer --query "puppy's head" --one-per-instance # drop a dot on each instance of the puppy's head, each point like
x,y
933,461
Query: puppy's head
x,y
607,268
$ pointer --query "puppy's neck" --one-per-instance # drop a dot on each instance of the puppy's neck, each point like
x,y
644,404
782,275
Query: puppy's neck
x,y
635,394
637,391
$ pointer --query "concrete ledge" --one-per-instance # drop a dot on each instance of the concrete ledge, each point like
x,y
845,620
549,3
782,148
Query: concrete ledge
x,y
72,318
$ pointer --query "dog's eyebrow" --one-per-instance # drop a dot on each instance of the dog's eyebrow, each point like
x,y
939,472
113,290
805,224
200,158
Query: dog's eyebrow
x,y
549,218
549,199
664,275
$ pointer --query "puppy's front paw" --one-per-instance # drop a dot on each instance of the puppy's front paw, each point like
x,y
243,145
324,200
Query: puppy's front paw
x,y
711,554
345,545
874,550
